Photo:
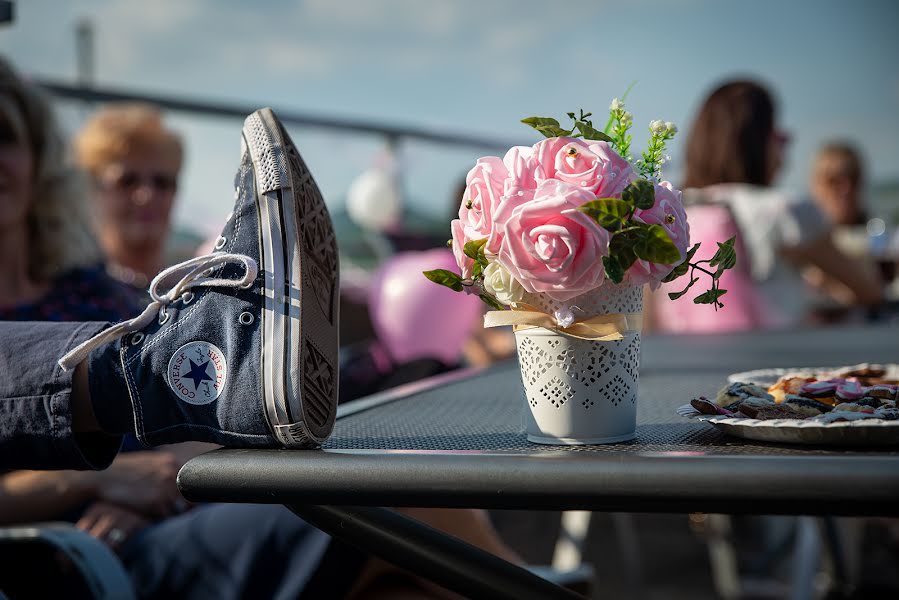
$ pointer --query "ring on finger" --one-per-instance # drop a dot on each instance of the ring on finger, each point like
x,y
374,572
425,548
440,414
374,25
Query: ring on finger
x,y
116,535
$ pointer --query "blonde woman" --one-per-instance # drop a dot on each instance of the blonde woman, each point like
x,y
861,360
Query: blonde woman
x,y
133,160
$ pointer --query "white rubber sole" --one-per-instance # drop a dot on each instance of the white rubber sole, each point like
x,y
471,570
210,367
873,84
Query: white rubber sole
x,y
300,405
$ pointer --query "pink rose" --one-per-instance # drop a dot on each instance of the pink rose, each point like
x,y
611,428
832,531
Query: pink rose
x,y
668,211
522,167
518,188
590,165
484,188
465,263
551,247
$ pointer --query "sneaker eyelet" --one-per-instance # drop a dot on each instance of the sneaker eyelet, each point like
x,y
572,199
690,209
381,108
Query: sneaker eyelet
x,y
164,317
220,243
246,318
187,298
137,338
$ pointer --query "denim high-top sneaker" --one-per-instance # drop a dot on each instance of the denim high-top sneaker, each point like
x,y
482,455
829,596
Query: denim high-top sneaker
x,y
238,347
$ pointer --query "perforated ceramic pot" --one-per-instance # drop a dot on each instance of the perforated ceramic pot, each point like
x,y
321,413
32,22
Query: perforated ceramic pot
x,y
580,391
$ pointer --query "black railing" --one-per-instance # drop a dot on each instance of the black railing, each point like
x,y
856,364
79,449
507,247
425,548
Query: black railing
x,y
393,133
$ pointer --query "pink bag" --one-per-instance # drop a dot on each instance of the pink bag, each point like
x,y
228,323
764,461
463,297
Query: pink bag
x,y
744,309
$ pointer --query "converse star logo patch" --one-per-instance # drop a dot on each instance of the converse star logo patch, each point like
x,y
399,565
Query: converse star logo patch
x,y
197,372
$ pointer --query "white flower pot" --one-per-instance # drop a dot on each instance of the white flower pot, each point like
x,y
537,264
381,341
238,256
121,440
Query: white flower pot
x,y
579,391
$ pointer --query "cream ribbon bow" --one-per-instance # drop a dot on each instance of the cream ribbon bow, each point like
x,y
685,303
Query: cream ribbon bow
x,y
600,328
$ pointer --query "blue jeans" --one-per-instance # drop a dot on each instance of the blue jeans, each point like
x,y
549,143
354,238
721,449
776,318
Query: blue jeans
x,y
35,400
236,552
214,551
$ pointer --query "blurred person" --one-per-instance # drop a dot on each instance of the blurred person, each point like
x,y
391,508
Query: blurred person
x,y
735,151
133,505
51,271
134,162
50,264
837,181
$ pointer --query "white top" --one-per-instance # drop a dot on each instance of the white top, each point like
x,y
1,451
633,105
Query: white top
x,y
770,221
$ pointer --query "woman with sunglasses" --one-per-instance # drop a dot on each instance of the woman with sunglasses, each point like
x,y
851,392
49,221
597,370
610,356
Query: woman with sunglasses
x,y
134,162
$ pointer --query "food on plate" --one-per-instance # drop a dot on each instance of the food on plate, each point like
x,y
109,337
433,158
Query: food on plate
x,y
770,411
735,393
884,392
854,407
808,407
707,407
887,414
844,394
788,385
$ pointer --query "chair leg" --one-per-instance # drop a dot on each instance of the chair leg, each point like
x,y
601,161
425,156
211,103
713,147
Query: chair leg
x,y
569,552
806,558
722,556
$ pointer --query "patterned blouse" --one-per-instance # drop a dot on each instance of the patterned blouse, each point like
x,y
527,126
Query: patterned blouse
x,y
84,294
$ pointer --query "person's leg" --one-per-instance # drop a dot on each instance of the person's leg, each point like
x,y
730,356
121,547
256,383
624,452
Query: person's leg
x,y
239,347
44,421
231,552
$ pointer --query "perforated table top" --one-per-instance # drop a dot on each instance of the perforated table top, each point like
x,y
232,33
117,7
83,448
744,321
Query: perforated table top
x,y
458,441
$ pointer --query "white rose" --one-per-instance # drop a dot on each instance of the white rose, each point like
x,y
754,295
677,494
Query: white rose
x,y
501,284
657,127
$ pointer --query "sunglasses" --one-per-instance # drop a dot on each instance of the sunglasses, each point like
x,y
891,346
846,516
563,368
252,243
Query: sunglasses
x,y
131,181
782,137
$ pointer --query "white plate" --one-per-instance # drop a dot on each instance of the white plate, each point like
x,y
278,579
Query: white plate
x,y
801,431
862,432
768,377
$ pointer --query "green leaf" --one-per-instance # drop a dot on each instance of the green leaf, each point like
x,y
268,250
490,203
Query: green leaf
x,y
548,126
614,271
621,246
682,268
590,133
471,248
482,258
654,245
445,278
710,297
476,269
491,302
725,258
609,213
641,193
676,295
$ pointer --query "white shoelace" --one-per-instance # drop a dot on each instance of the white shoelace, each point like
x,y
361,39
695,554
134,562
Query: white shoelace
x,y
192,273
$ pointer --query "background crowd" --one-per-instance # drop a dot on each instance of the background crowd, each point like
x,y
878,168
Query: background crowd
x,y
86,222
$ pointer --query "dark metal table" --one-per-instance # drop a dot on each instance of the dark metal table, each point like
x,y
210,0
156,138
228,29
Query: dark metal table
x,y
457,442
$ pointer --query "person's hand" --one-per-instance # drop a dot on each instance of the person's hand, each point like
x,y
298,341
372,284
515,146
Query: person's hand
x,y
111,524
143,482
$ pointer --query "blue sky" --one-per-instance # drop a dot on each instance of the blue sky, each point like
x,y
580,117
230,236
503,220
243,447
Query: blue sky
x,y
473,66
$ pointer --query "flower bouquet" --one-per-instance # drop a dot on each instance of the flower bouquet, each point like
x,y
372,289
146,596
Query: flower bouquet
x,y
559,239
